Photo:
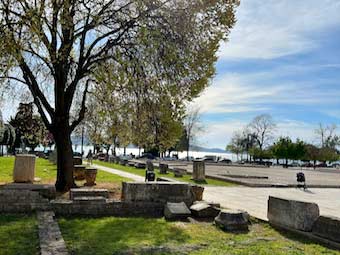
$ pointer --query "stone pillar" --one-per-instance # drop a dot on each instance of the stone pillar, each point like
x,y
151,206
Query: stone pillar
x,y
163,168
24,168
198,173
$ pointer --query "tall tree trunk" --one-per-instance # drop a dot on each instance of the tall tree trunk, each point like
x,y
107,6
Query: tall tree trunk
x,y
65,166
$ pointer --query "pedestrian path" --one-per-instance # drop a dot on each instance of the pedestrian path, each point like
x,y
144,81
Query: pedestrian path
x,y
254,200
51,240
134,177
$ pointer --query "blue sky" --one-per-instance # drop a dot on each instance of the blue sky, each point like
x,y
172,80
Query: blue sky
x,y
282,58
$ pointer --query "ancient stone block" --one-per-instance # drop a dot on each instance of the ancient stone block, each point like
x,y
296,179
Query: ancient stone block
x,y
198,192
204,210
163,168
84,192
79,172
176,211
24,168
232,220
77,161
179,172
90,176
45,190
327,227
158,192
292,214
198,173
140,165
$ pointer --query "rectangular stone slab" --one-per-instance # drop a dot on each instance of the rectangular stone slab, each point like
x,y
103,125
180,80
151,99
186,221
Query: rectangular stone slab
x,y
327,227
174,211
292,214
158,192
88,193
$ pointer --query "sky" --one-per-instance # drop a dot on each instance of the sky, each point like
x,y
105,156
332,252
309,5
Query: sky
x,y
282,59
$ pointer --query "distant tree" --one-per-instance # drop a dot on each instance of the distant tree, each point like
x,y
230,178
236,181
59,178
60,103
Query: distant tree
x,y
236,144
263,127
192,126
327,137
285,149
312,153
30,129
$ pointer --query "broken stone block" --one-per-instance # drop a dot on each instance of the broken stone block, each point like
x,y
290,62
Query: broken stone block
x,y
204,210
232,220
327,227
176,211
292,214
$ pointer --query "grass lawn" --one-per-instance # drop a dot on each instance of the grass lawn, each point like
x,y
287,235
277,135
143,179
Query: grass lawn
x,y
141,172
141,236
18,235
48,172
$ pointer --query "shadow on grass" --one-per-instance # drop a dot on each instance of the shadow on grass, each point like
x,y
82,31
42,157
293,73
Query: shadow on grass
x,y
109,235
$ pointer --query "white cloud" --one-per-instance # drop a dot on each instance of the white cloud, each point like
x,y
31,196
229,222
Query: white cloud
x,y
272,28
218,134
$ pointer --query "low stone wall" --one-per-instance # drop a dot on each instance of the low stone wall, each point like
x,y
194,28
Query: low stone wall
x,y
22,201
45,190
161,192
292,214
108,207
327,227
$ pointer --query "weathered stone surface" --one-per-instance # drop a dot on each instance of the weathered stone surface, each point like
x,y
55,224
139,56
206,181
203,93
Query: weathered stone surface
x,y
149,166
198,173
292,214
198,192
179,172
107,208
123,162
90,176
77,161
22,201
24,168
163,168
204,210
90,200
158,192
232,220
327,227
140,165
83,192
131,163
79,172
51,240
176,211
45,190
217,205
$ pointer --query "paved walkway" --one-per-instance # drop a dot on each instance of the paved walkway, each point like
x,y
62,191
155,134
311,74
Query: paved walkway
x,y
254,200
51,240
134,177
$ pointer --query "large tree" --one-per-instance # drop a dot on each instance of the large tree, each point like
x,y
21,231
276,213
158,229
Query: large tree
x,y
53,48
263,127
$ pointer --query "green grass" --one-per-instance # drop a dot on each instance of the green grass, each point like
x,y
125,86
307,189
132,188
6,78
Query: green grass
x,y
141,172
18,235
111,235
48,172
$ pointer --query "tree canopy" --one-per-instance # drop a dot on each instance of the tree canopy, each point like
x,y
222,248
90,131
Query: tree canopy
x,y
54,49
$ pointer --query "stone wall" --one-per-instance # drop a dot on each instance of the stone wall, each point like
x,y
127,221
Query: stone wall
x,y
293,214
22,201
108,207
160,192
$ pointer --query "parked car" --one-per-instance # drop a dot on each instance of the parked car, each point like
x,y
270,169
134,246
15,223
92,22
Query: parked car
x,y
321,165
225,161
148,156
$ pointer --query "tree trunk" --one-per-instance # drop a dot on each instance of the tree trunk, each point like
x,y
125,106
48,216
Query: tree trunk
x,y
65,166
